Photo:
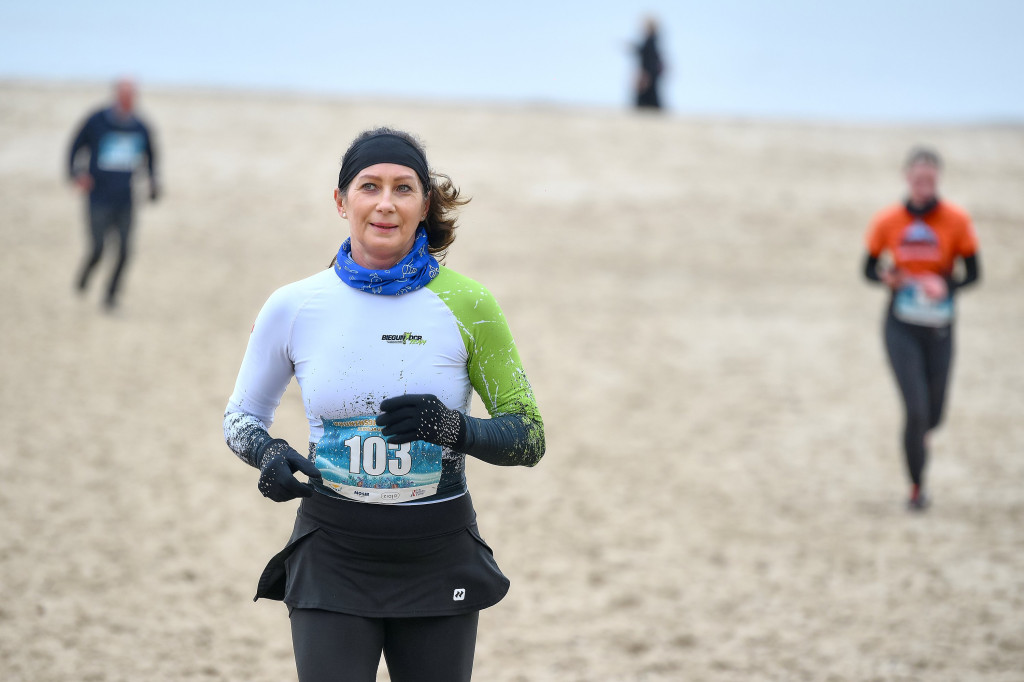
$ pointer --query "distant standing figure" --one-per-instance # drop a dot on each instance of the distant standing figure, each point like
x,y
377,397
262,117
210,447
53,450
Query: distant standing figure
x,y
651,68
924,238
117,143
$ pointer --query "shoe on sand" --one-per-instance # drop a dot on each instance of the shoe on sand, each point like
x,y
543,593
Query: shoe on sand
x,y
918,501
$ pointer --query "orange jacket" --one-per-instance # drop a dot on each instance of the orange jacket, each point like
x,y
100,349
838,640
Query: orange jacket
x,y
919,245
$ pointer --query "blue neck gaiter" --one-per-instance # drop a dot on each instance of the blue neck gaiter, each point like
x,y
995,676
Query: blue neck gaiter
x,y
409,274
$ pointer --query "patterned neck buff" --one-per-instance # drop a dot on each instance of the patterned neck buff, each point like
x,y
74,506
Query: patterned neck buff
x,y
409,274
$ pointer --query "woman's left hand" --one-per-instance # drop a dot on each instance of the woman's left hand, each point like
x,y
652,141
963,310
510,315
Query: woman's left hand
x,y
420,416
934,287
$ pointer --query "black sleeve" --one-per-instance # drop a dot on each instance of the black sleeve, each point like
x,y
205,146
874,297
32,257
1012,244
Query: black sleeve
x,y
504,440
871,269
81,141
972,273
150,157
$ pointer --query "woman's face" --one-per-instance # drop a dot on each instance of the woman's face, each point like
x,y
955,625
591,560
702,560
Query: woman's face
x,y
384,205
923,180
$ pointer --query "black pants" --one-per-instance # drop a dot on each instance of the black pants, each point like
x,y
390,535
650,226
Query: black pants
x,y
648,98
921,358
337,647
104,218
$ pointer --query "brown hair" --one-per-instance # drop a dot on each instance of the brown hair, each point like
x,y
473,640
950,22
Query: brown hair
x,y
923,155
442,194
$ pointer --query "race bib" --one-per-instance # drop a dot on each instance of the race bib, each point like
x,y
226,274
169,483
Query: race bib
x,y
120,152
913,306
358,463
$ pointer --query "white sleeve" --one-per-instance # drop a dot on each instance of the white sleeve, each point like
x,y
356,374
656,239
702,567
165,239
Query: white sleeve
x,y
267,366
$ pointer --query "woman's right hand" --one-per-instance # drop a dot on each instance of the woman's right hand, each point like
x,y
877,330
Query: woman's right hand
x,y
279,463
893,278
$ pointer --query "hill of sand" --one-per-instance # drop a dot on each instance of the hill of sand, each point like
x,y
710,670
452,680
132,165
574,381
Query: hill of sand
x,y
722,496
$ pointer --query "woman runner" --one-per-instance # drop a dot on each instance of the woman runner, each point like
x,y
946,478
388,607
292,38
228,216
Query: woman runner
x,y
923,239
387,347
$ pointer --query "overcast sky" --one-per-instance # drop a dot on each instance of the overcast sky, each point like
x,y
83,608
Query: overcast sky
x,y
856,60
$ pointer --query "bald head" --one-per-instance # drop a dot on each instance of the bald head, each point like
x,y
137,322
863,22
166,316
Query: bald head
x,y
124,94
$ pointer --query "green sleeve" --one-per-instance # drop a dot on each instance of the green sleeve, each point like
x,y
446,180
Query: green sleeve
x,y
496,373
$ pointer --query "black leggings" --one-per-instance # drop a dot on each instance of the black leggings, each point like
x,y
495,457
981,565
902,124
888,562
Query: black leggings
x,y
102,219
921,358
337,647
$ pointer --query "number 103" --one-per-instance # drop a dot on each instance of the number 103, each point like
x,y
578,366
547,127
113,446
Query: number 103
x,y
372,453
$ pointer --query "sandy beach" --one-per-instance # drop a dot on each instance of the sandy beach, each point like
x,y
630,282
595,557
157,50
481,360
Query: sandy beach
x,y
722,495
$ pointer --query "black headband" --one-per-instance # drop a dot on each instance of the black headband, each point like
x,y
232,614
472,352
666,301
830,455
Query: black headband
x,y
384,148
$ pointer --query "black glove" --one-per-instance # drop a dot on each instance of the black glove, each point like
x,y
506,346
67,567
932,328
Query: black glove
x,y
279,462
420,417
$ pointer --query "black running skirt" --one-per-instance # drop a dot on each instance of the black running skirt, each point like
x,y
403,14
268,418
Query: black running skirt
x,y
385,561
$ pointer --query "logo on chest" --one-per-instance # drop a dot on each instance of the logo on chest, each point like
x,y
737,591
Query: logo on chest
x,y
919,243
405,339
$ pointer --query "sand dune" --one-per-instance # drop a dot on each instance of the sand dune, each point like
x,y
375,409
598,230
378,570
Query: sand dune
x,y
721,498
